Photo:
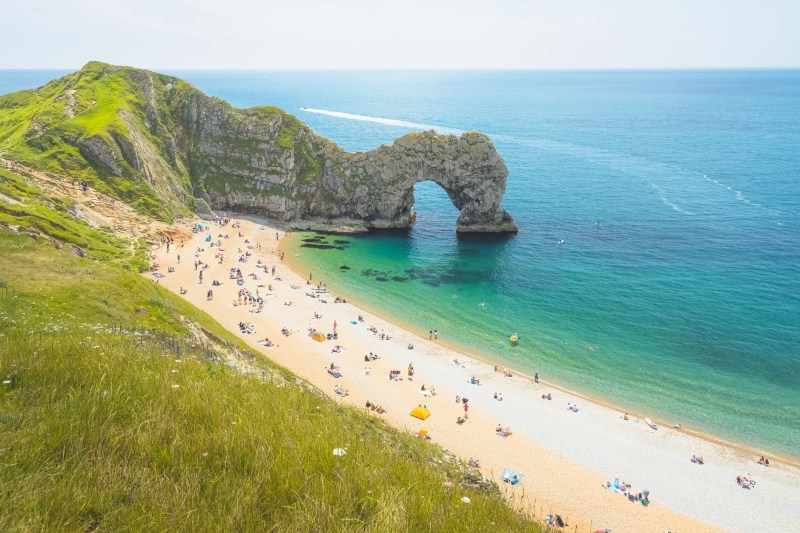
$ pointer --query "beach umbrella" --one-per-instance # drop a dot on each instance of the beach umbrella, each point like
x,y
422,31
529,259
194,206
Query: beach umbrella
x,y
420,412
318,336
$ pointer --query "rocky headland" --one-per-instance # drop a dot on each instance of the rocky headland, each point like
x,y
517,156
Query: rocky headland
x,y
168,149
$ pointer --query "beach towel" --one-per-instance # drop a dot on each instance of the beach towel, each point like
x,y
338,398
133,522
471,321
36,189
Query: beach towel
x,y
353,322
508,477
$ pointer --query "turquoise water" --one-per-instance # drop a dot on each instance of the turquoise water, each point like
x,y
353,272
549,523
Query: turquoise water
x,y
689,288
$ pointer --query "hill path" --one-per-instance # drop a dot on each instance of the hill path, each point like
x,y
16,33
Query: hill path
x,y
96,208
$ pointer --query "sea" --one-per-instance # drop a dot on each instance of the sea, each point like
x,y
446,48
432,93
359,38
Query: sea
x,y
657,264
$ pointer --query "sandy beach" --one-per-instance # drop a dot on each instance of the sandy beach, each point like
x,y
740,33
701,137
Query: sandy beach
x,y
566,457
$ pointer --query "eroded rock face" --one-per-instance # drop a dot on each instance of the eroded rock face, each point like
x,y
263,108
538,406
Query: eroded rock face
x,y
96,150
159,143
267,163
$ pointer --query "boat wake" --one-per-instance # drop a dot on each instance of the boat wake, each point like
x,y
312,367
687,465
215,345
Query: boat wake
x,y
385,121
630,164
666,201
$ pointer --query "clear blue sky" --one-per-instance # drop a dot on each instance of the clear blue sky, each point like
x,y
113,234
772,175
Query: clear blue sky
x,y
343,34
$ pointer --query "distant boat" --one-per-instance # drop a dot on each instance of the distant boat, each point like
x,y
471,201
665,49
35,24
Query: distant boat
x,y
650,423
514,338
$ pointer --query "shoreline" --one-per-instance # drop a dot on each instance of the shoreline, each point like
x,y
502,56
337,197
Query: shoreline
x,y
744,450
566,457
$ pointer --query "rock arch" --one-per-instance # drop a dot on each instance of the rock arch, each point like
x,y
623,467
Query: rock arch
x,y
376,188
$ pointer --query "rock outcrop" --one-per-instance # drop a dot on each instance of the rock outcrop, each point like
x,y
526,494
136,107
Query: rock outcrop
x,y
169,136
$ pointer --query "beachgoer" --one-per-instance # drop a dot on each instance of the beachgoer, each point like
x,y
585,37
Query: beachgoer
x,y
535,377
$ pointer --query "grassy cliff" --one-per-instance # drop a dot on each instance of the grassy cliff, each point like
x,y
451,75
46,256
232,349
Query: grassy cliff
x,y
50,128
145,427
127,132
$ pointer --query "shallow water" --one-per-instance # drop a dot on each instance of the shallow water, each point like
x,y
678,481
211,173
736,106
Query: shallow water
x,y
687,290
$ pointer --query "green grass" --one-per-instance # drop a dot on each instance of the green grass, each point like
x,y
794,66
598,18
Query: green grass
x,y
94,433
38,130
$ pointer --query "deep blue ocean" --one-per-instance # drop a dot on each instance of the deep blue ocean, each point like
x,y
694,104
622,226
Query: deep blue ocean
x,y
676,195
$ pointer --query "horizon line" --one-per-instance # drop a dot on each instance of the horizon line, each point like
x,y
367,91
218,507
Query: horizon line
x,y
416,69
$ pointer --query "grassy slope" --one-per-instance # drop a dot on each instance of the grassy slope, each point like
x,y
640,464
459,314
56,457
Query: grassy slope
x,y
37,130
94,433
47,215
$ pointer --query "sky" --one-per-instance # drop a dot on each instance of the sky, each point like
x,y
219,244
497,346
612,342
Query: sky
x,y
386,34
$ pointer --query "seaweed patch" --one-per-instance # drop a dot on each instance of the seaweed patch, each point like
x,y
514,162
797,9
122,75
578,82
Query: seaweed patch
x,y
321,246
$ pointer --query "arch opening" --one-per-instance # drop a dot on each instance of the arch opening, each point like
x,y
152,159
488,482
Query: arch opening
x,y
432,209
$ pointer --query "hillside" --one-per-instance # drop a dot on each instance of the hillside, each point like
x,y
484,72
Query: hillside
x,y
124,407
167,149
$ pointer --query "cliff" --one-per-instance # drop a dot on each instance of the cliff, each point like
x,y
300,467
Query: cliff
x,y
162,145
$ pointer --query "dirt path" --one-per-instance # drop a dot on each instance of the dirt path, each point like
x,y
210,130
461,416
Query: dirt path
x,y
95,208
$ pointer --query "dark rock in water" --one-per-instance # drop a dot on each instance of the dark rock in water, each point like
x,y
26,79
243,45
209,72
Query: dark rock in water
x,y
320,246
381,278
341,242
399,279
344,267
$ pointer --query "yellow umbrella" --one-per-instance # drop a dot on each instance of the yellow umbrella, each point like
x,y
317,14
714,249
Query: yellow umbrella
x,y
420,412
318,336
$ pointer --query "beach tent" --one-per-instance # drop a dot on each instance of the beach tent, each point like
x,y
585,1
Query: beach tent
x,y
420,412
318,336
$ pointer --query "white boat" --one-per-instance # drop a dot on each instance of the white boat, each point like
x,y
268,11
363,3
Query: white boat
x,y
650,423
